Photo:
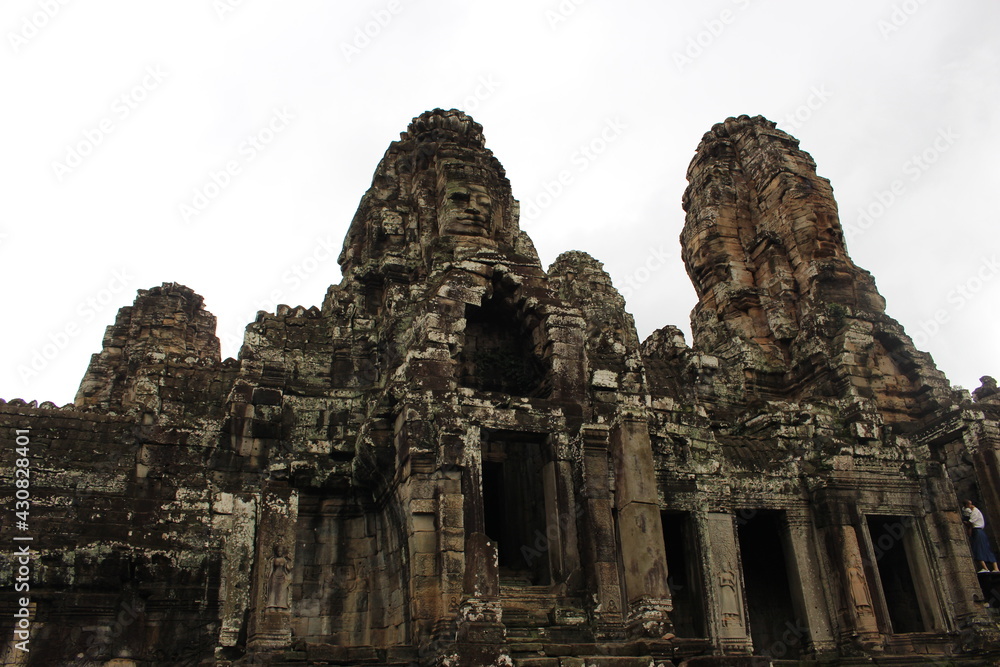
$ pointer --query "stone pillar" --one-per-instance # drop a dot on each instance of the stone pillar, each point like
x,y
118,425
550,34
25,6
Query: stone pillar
x,y
438,549
952,568
856,606
986,461
234,517
640,531
561,513
271,613
922,572
807,587
600,548
430,501
424,562
482,576
475,620
723,584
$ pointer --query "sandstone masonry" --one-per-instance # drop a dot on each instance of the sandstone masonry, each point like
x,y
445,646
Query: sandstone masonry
x,y
460,458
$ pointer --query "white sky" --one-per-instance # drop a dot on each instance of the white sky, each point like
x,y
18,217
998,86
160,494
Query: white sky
x,y
865,85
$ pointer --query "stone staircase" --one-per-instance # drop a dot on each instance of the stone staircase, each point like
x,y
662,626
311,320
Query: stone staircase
x,y
535,617
546,629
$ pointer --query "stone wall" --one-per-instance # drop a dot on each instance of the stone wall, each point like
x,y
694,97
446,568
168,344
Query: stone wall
x,y
460,458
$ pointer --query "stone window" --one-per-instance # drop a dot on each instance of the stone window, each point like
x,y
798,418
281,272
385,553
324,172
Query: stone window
x,y
498,353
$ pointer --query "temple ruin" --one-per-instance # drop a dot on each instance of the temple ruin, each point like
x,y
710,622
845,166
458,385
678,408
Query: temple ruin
x,y
460,458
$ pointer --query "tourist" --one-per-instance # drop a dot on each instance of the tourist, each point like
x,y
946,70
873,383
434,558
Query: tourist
x,y
981,551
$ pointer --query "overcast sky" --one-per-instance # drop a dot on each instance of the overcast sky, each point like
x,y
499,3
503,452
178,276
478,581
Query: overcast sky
x,y
225,145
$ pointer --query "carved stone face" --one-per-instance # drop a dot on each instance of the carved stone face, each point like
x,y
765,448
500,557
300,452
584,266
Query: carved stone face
x,y
466,209
821,234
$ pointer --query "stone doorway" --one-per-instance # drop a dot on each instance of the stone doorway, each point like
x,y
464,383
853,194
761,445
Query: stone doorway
x,y
514,505
907,602
684,576
776,628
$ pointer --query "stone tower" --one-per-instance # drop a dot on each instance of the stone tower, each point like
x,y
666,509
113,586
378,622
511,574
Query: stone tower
x,y
463,459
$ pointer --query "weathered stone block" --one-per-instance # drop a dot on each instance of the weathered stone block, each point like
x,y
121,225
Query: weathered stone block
x,y
357,486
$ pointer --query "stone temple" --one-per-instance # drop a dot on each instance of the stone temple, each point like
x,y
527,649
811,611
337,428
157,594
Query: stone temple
x,y
461,458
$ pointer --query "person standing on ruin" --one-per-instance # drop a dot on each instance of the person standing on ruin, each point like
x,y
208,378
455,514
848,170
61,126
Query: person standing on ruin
x,y
981,551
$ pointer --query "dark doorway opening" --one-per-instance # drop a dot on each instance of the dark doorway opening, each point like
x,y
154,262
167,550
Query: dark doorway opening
x,y
775,627
497,351
494,502
893,565
683,577
514,505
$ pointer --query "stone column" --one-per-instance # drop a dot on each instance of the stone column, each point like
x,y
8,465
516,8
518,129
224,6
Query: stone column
x,y
421,513
561,512
723,583
234,517
923,572
435,506
271,612
856,606
600,548
986,461
807,587
475,619
948,564
640,531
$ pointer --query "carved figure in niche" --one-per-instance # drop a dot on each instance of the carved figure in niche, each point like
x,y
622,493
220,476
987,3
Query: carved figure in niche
x,y
362,571
349,574
277,581
859,587
729,602
465,209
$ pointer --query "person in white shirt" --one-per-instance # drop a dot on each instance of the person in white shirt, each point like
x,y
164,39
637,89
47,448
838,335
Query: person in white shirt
x,y
981,551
